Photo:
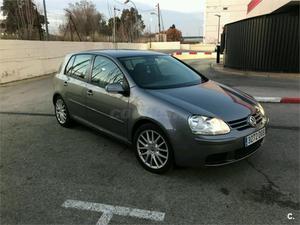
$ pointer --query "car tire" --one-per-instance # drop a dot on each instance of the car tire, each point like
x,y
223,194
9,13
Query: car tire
x,y
61,112
153,149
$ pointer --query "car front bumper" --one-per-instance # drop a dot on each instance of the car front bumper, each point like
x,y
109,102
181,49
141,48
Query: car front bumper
x,y
215,150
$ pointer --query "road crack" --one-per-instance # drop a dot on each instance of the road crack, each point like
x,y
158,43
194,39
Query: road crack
x,y
270,194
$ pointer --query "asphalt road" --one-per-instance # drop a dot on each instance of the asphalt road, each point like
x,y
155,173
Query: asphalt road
x,y
43,165
255,85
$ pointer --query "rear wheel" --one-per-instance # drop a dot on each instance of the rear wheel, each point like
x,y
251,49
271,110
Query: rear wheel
x,y
153,150
62,113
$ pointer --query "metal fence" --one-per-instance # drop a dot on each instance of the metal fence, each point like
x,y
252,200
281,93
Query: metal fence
x,y
264,43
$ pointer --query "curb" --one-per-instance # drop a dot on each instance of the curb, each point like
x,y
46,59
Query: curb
x,y
15,82
230,71
286,100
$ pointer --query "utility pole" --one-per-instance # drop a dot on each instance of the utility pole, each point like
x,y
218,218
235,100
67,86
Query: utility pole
x,y
218,44
75,27
158,18
114,28
46,20
219,16
150,32
70,26
71,30
38,19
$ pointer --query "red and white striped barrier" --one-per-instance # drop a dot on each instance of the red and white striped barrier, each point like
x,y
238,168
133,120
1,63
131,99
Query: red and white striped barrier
x,y
294,100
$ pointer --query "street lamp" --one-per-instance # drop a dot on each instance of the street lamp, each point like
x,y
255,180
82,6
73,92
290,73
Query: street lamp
x,y
154,13
127,1
218,15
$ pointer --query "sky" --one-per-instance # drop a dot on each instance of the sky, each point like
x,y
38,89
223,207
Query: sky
x,y
187,15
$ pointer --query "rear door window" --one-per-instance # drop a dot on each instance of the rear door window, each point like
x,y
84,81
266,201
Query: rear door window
x,y
79,66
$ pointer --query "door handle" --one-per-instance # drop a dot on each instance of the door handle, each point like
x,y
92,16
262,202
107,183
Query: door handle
x,y
89,92
65,83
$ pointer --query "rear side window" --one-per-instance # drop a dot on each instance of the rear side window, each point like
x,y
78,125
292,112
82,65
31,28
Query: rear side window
x,y
78,66
69,66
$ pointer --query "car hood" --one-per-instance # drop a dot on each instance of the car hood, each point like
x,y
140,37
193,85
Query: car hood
x,y
209,99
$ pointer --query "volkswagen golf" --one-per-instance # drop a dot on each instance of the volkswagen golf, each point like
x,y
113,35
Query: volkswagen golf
x,y
169,112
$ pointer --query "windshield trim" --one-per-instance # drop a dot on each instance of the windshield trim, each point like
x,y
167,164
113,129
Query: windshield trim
x,y
188,84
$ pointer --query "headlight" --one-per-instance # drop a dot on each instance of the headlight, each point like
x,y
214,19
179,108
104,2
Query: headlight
x,y
261,110
208,126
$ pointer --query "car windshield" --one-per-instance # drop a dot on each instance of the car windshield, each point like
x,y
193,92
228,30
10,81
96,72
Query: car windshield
x,y
156,72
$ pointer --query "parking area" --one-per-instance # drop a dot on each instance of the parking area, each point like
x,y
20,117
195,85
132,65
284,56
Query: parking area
x,y
44,165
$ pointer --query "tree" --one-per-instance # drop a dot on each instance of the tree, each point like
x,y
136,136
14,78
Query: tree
x,y
173,34
132,24
23,19
110,25
85,19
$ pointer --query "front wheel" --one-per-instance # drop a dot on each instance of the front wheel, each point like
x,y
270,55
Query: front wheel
x,y
61,112
153,150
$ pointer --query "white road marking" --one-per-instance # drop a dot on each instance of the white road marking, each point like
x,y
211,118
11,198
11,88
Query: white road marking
x,y
268,99
109,210
105,218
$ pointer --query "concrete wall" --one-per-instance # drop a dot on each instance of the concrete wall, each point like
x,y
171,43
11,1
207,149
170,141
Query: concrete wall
x,y
198,47
141,46
203,47
185,47
26,59
165,45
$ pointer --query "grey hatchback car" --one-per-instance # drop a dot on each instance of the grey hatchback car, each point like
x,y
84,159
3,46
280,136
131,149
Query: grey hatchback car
x,y
169,112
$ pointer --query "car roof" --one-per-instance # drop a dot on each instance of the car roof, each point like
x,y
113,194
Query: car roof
x,y
118,53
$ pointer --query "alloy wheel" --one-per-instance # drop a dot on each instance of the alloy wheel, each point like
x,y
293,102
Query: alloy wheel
x,y
152,149
61,111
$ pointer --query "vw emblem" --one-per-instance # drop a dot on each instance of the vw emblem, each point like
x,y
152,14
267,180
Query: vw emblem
x,y
252,121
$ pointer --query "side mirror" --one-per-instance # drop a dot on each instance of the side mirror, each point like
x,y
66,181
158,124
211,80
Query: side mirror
x,y
115,88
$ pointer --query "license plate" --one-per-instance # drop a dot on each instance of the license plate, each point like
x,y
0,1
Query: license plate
x,y
252,138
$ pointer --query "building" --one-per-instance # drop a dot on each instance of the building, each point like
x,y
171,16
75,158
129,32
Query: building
x,y
267,40
235,10
229,11
262,7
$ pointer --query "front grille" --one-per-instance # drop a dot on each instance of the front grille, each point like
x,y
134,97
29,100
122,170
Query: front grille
x,y
242,124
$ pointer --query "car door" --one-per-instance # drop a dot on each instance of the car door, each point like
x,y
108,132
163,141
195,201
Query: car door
x,y
107,110
75,84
